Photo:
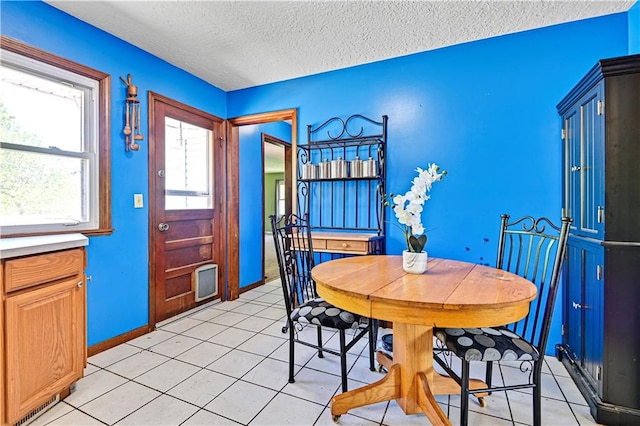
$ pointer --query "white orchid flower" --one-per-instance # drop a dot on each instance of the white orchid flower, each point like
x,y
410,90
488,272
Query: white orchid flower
x,y
410,196
408,207
414,208
398,199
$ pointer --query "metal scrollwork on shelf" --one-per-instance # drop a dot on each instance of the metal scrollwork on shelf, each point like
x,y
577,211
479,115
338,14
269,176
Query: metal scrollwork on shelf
x,y
303,158
303,195
342,127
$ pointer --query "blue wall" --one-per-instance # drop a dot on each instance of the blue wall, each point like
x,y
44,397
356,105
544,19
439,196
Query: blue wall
x,y
634,29
118,296
485,111
251,195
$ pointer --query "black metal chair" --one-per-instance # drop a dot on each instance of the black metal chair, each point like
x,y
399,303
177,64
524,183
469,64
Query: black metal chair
x,y
292,237
534,249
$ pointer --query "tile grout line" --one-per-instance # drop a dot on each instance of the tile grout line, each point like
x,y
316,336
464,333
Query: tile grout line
x,y
359,355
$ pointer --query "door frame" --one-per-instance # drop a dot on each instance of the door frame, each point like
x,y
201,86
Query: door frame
x,y
219,200
233,185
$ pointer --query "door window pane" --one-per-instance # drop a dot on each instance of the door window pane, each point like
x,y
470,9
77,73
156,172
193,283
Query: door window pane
x,y
188,182
280,197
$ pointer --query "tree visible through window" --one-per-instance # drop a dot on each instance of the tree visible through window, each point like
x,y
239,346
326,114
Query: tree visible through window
x,y
53,150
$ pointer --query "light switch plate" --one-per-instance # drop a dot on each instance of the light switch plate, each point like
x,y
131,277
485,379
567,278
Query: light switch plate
x,y
137,201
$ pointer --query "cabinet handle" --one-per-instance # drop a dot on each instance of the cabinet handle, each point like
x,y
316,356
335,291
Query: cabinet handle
x,y
599,273
576,305
345,245
163,227
80,284
575,168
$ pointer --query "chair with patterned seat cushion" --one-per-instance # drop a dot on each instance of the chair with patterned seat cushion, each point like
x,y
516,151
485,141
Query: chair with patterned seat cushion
x,y
534,249
292,238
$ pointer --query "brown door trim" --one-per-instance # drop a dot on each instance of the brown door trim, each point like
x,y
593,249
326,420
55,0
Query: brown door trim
x,y
220,196
233,184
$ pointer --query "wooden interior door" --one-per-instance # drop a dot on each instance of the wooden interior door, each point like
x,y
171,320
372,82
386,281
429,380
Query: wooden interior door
x,y
186,199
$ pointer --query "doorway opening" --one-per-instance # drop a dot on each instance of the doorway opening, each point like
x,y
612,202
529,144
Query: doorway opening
x,y
247,224
275,199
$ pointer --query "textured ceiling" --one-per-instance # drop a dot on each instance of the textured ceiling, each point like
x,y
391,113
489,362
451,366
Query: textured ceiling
x,y
239,44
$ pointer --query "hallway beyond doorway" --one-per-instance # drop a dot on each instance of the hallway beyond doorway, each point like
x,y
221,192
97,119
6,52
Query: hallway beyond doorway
x,y
271,270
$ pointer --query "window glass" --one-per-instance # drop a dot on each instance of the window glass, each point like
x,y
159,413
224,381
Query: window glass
x,y
280,197
42,112
52,170
53,195
188,166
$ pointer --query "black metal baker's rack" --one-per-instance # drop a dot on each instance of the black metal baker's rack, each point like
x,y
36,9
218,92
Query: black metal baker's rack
x,y
349,204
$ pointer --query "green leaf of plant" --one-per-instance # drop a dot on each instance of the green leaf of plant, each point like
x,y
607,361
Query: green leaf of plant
x,y
417,244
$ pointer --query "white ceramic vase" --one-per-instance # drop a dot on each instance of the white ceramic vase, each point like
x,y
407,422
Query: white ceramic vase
x,y
414,263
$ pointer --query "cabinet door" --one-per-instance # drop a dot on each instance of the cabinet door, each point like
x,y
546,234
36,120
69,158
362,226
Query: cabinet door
x,y
584,306
573,300
571,184
593,309
44,344
585,134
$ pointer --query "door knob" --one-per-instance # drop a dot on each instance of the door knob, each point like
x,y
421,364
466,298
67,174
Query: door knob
x,y
163,226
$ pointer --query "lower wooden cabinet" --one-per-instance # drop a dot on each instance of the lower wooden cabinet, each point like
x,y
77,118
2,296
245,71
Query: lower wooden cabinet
x,y
45,329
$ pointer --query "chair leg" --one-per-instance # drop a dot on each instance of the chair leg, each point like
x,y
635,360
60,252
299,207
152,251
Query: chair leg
x,y
343,360
464,394
291,352
537,395
373,338
489,375
320,354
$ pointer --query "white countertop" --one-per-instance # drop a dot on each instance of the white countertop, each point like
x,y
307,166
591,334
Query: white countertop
x,y
24,246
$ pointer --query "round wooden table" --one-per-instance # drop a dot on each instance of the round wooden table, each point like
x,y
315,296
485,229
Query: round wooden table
x,y
450,294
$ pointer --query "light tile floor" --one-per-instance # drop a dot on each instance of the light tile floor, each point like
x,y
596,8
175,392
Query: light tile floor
x,y
227,363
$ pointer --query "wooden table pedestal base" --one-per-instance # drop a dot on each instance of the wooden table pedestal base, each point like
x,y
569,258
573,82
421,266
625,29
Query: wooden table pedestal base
x,y
410,378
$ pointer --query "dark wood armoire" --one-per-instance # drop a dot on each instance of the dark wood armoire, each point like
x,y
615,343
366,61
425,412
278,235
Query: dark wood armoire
x,y
601,192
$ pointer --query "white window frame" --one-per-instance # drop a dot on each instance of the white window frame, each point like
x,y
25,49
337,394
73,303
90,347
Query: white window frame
x,y
95,147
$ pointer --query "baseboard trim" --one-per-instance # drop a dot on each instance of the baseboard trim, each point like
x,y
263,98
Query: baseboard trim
x,y
117,340
251,286
602,412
